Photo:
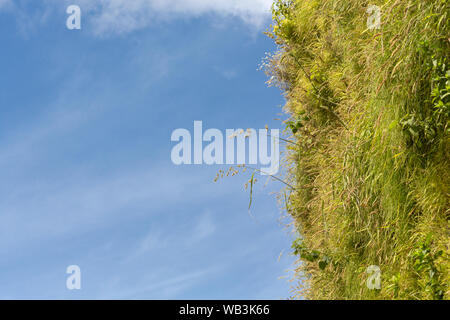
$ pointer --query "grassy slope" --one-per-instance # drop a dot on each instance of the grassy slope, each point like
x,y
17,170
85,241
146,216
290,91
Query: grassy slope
x,y
369,112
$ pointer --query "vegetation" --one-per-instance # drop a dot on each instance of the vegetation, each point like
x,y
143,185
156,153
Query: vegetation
x,y
369,163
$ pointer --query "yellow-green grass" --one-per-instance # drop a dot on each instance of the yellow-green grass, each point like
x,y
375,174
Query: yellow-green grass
x,y
369,113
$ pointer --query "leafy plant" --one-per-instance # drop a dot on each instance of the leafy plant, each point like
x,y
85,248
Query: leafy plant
x,y
424,264
310,255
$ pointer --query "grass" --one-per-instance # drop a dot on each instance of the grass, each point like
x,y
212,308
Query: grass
x,y
369,116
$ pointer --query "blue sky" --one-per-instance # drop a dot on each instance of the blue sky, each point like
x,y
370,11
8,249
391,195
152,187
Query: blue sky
x,y
85,171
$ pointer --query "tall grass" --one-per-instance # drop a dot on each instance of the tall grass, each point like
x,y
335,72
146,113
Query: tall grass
x,y
369,113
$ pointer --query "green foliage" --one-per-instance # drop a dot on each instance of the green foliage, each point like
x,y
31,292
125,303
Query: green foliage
x,y
310,255
422,131
298,123
282,15
425,266
369,169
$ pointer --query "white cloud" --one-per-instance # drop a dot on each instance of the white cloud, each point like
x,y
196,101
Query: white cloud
x,y
122,16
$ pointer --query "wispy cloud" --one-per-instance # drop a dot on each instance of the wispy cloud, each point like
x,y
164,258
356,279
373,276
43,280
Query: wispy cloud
x,y
205,227
4,3
162,286
123,16
228,74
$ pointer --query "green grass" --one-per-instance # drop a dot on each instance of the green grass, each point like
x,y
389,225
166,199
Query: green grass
x,y
369,113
